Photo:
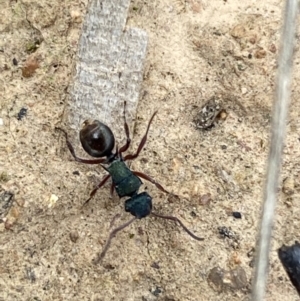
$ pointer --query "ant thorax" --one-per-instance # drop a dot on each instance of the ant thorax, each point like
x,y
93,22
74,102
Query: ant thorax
x,y
125,181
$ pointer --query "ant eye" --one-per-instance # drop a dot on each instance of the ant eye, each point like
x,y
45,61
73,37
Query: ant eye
x,y
97,139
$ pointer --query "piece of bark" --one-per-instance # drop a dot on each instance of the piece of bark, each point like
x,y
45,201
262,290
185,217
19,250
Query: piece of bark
x,y
109,70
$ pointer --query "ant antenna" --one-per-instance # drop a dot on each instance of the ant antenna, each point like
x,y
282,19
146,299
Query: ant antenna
x,y
176,220
111,236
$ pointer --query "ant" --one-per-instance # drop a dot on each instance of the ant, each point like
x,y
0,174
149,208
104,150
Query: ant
x,y
98,141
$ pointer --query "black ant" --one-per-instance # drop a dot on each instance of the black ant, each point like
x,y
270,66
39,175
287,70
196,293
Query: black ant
x,y
98,140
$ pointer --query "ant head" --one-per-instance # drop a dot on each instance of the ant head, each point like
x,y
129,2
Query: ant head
x,y
139,205
97,139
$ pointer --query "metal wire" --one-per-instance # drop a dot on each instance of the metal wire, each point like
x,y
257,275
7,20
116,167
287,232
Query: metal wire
x,y
281,105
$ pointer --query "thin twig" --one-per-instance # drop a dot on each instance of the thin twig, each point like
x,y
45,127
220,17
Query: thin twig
x,y
281,105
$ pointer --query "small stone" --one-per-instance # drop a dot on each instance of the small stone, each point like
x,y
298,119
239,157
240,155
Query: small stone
x,y
32,63
52,200
223,280
290,259
244,90
205,199
74,236
236,214
272,48
22,113
288,185
260,54
76,15
155,265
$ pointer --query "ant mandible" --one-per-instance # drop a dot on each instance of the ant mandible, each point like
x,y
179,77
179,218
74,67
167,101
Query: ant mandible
x,y
98,141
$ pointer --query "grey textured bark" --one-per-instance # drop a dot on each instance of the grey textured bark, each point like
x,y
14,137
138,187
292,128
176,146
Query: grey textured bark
x,y
109,70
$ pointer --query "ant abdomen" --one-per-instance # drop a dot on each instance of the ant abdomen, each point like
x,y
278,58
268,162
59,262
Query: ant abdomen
x,y
97,138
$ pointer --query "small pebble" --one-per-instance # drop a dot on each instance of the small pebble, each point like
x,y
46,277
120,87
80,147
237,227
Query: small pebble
x,y
22,114
289,185
155,265
74,236
156,291
290,259
205,199
226,280
52,200
236,214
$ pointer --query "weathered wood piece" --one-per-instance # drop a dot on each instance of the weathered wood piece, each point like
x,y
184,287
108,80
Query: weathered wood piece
x,y
109,68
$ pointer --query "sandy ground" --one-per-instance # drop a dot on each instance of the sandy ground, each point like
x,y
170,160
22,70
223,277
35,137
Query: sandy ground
x,y
197,50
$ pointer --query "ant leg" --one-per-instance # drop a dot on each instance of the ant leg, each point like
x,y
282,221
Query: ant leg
x,y
112,188
104,180
111,236
176,220
125,147
118,215
72,151
148,178
142,143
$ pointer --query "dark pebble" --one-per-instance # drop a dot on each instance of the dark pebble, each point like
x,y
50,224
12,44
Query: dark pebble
x,y
236,214
290,259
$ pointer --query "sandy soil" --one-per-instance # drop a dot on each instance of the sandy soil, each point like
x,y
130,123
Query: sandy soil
x,y
197,50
